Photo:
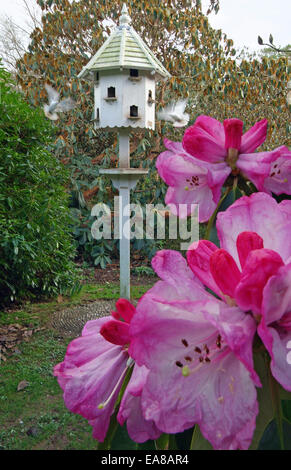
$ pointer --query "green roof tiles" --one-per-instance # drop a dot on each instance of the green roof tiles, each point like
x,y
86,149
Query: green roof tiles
x,y
124,49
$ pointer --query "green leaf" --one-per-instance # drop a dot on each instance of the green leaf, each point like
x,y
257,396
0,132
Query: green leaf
x,y
284,394
124,385
162,443
266,412
113,426
183,439
198,441
122,441
271,439
213,237
286,408
148,445
227,196
275,392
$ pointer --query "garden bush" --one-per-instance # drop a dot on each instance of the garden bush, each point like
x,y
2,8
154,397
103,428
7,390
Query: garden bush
x,y
36,247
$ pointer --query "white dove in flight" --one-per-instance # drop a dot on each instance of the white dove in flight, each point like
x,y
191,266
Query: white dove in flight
x,y
175,113
55,105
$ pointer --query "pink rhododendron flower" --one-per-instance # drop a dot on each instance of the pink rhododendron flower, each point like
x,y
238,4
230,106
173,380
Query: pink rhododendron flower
x,y
93,371
214,142
252,270
139,429
190,180
196,170
197,346
264,286
198,350
269,171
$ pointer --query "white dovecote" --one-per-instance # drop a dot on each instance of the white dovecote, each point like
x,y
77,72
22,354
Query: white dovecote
x,y
124,72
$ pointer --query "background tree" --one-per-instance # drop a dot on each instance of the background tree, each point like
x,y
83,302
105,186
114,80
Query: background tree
x,y
274,51
204,69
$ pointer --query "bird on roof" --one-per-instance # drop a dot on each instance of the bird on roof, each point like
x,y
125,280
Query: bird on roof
x,y
175,113
56,106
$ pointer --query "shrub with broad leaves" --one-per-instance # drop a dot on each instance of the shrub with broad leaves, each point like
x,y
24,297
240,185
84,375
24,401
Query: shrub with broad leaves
x,y
36,249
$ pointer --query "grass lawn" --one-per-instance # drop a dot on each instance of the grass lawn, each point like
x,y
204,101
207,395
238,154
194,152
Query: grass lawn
x,y
35,417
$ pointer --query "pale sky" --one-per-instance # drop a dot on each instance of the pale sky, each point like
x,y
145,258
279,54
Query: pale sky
x,y
241,20
244,20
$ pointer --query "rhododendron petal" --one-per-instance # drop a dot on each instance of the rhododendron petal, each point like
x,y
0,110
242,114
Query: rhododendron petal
x,y
285,207
224,271
188,183
202,145
124,310
256,167
238,330
275,326
169,332
89,374
254,137
259,267
204,198
81,351
138,428
269,171
276,341
171,266
279,178
221,398
183,294
190,180
217,174
203,138
116,332
164,307
198,257
247,242
176,168
258,213
233,133
212,127
277,295
244,437
175,147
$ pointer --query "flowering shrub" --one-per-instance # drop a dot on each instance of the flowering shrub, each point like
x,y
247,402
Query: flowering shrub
x,y
197,343
212,155
207,345
36,250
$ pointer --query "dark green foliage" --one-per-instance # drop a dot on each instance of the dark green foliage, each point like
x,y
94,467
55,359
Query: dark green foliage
x,y
102,252
35,245
270,439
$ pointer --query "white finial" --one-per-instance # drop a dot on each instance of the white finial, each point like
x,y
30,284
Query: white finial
x,y
124,18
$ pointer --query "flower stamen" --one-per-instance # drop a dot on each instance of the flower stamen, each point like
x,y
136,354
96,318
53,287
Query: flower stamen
x,y
193,182
205,352
129,363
